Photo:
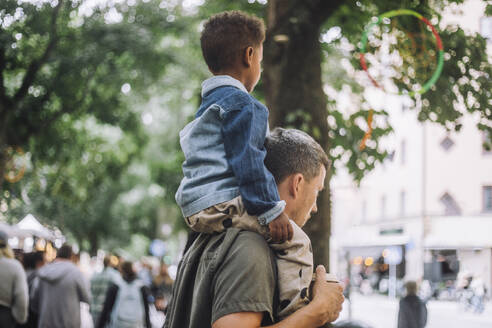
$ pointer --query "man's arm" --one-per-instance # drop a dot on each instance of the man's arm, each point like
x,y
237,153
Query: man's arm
x,y
104,317
20,305
83,289
325,307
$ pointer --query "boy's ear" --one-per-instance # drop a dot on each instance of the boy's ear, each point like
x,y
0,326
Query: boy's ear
x,y
248,56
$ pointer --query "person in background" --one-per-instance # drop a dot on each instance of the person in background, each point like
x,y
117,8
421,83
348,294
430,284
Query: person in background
x,y
145,273
13,287
162,288
412,312
32,263
61,289
126,304
100,283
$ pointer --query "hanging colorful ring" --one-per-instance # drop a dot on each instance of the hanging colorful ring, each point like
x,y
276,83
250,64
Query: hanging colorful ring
x,y
401,12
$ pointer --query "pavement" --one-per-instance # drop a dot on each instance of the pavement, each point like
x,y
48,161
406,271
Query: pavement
x,y
379,311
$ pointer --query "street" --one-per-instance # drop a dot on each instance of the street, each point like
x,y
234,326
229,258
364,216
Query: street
x,y
381,312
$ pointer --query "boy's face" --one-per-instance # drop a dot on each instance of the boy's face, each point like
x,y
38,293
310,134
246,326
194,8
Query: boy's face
x,y
254,71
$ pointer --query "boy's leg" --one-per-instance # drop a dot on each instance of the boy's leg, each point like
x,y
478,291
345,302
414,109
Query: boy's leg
x,y
295,271
225,215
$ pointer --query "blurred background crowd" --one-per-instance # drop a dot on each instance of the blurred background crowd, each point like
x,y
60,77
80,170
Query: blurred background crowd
x,y
107,290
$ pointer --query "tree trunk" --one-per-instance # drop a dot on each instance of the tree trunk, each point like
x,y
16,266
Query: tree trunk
x,y
294,92
3,146
94,244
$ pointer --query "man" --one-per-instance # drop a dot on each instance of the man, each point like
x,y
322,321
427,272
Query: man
x,y
13,287
32,263
100,283
61,289
412,312
229,279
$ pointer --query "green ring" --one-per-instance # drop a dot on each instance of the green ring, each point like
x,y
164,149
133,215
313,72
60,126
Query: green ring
x,y
440,60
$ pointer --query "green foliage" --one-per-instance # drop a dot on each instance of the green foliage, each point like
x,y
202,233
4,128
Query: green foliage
x,y
488,9
70,78
346,134
464,85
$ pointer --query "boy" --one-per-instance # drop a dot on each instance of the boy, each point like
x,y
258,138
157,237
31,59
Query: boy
x,y
225,181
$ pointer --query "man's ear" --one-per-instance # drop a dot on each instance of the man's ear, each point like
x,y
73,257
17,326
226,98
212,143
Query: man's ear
x,y
295,184
248,56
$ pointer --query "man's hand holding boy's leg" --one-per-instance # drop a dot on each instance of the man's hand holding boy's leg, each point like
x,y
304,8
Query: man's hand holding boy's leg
x,y
281,229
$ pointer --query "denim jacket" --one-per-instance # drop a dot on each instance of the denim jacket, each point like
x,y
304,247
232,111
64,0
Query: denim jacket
x,y
224,153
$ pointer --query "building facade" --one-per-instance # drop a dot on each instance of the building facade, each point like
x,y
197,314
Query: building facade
x,y
430,201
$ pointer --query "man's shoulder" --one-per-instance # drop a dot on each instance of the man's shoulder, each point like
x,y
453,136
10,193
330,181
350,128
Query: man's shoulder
x,y
12,265
234,242
101,277
251,243
244,250
250,253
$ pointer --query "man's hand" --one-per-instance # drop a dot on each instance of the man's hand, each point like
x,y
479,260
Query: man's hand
x,y
328,296
281,229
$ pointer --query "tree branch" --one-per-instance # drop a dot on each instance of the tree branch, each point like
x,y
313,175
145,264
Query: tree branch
x,y
41,126
35,65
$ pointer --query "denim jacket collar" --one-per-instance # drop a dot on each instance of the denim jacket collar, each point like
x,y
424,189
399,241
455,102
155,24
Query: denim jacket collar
x,y
220,81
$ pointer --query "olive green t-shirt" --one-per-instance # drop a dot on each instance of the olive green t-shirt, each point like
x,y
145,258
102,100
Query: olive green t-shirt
x,y
234,271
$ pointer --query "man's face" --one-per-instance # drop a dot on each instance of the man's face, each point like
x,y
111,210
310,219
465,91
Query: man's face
x,y
255,69
308,194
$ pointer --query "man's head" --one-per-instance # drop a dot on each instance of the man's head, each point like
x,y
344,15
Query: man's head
x,y
298,164
107,261
33,260
65,252
232,41
411,287
128,271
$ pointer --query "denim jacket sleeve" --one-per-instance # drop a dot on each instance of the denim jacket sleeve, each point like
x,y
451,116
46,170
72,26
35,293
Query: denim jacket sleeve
x,y
244,131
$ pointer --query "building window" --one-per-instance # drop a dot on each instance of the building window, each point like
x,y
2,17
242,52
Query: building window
x,y
447,143
403,151
391,156
450,205
364,211
486,143
383,207
487,198
402,203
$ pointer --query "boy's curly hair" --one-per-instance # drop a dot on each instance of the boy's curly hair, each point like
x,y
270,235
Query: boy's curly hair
x,y
226,35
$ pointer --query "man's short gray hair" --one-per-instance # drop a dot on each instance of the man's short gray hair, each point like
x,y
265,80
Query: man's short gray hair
x,y
291,151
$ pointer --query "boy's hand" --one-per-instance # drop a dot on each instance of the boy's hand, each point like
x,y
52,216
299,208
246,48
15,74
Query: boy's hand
x,y
281,229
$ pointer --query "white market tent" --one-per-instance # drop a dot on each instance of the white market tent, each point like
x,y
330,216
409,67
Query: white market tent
x,y
31,225
13,231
